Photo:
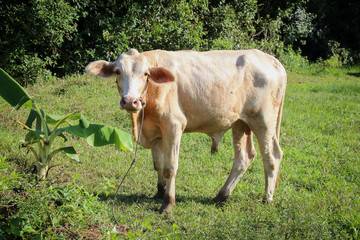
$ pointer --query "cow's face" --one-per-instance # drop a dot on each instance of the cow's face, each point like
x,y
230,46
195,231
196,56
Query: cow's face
x,y
132,72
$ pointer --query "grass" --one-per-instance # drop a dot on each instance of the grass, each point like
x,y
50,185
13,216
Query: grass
x,y
318,196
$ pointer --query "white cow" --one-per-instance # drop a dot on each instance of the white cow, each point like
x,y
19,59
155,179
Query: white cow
x,y
208,92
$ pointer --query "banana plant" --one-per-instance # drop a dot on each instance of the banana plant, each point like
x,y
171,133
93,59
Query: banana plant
x,y
39,138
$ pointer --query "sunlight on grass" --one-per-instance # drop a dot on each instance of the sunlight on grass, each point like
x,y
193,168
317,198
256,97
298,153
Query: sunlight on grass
x,y
319,192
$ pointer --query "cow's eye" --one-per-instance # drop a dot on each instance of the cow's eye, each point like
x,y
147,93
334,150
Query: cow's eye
x,y
117,71
146,74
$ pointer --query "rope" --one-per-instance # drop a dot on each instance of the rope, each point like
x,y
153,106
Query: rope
x,y
132,163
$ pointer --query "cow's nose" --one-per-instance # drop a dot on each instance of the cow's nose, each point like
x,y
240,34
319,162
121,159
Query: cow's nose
x,y
130,103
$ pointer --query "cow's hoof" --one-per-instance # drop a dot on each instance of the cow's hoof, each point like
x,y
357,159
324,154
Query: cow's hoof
x,y
220,198
266,201
160,193
166,208
214,150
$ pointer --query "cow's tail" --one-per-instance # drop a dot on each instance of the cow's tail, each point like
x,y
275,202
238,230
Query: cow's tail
x,y
278,124
278,121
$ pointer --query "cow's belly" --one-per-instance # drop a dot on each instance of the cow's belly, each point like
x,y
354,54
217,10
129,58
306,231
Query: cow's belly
x,y
213,111
209,122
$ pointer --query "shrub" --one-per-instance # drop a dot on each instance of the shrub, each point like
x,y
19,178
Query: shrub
x,y
32,33
61,37
37,210
298,24
43,136
293,60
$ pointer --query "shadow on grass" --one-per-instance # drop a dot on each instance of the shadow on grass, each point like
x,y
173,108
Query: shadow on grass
x,y
130,199
354,74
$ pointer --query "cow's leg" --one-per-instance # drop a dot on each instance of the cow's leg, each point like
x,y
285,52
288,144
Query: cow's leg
x,y
272,155
157,155
245,153
268,140
171,145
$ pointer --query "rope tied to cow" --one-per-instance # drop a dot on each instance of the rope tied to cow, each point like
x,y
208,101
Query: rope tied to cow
x,y
132,163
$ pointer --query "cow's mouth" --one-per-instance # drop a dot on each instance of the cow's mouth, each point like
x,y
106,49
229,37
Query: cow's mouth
x,y
132,105
132,111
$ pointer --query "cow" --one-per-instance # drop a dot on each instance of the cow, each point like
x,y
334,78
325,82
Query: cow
x,y
176,92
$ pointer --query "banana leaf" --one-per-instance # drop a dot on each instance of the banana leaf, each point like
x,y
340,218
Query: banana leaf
x,y
11,91
100,135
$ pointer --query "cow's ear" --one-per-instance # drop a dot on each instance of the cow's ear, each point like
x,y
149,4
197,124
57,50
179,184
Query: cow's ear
x,y
161,75
101,68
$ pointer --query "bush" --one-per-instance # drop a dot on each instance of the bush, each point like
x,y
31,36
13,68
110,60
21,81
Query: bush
x,y
298,24
293,60
173,26
38,210
42,37
61,37
32,33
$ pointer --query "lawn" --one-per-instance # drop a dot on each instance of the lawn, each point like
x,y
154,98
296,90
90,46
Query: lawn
x,y
318,196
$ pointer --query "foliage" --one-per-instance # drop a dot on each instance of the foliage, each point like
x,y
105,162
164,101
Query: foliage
x,y
43,137
32,33
298,24
232,27
33,210
335,21
40,38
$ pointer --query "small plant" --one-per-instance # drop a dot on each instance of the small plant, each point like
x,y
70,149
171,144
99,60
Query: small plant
x,y
42,135
48,210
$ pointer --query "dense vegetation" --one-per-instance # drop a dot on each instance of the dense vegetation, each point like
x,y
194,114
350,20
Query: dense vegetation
x,y
40,38
318,196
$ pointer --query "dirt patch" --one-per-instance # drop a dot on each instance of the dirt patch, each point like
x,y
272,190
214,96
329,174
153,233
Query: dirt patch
x,y
93,232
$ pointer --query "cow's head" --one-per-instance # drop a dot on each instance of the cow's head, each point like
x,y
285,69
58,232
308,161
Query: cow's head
x,y
132,72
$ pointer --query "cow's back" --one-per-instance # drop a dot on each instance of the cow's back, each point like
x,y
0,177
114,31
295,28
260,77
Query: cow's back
x,y
216,88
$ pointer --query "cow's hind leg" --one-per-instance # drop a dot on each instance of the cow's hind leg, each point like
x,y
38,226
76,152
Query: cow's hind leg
x,y
244,154
272,155
268,140
158,158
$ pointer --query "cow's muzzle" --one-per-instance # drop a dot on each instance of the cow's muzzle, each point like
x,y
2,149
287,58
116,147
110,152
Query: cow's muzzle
x,y
131,104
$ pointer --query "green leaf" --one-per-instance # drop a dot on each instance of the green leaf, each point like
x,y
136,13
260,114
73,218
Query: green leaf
x,y
34,136
11,91
31,118
59,132
71,153
54,119
123,140
28,104
100,135
40,124
81,132
83,122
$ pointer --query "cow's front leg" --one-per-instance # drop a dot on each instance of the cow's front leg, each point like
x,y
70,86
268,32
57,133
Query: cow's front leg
x,y
158,158
171,145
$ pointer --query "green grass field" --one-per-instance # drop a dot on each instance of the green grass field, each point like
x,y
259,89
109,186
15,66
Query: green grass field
x,y
318,196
